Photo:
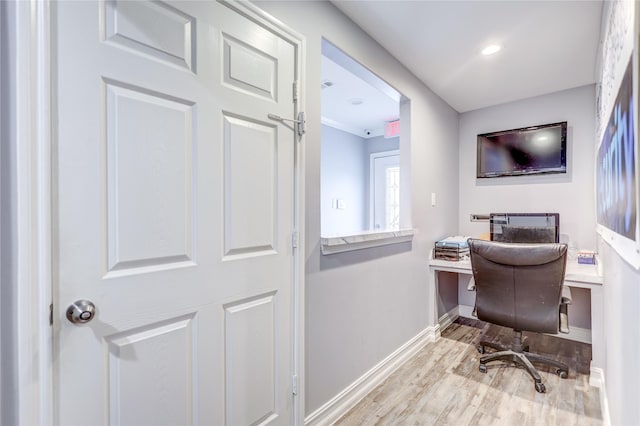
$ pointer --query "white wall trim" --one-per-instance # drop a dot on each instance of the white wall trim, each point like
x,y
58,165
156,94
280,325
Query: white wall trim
x,y
33,334
597,375
449,317
466,311
337,406
350,129
369,239
577,334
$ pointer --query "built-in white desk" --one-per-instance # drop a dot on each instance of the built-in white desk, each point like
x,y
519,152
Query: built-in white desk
x,y
576,275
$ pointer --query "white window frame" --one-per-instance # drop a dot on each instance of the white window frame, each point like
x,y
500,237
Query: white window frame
x,y
372,187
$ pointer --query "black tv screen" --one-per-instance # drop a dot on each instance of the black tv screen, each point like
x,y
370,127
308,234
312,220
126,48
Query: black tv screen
x,y
530,150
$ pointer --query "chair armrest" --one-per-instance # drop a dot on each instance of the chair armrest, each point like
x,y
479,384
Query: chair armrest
x,y
472,284
472,287
565,301
565,297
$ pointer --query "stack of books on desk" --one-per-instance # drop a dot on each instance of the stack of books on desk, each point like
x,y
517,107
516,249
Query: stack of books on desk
x,y
452,248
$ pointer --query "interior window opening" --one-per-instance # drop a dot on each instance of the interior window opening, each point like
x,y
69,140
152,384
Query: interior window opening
x,y
362,174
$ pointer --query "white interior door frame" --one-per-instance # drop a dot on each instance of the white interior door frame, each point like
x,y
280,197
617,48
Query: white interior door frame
x,y
26,369
26,379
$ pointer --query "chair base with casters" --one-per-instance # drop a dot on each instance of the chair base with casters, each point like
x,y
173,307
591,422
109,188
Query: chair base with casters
x,y
518,353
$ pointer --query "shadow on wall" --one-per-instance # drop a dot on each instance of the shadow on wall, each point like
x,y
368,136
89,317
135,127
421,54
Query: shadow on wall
x,y
338,260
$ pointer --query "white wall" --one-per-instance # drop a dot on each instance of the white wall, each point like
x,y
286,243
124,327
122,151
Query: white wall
x,y
622,337
344,169
361,306
569,194
381,144
621,286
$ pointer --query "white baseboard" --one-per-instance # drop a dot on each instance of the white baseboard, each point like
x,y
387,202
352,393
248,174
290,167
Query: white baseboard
x,y
449,317
596,378
354,393
466,311
577,334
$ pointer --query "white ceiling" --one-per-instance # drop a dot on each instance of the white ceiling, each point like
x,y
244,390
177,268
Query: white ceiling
x,y
353,99
547,45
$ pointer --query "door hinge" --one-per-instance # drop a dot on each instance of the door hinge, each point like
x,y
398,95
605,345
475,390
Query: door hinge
x,y
51,314
294,384
295,91
299,123
294,239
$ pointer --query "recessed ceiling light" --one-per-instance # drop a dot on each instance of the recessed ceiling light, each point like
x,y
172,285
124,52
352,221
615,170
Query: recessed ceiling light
x,y
490,50
356,101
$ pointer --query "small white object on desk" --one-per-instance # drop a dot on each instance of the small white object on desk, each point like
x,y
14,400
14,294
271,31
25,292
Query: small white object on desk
x,y
587,257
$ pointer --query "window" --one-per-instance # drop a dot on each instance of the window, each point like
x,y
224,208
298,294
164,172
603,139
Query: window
x,y
392,198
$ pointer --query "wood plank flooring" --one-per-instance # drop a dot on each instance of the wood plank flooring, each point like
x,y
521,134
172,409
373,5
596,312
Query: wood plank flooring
x,y
441,385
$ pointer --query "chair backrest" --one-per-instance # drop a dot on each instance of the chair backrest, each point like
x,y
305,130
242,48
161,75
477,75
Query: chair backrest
x,y
526,234
518,285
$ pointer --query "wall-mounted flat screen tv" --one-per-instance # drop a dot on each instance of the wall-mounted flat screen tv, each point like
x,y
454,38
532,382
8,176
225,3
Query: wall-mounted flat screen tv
x,y
530,150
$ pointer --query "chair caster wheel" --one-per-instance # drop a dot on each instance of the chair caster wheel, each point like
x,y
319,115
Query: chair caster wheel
x,y
562,373
540,388
481,349
482,368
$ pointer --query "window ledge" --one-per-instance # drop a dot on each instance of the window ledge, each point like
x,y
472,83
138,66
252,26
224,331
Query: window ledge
x,y
339,244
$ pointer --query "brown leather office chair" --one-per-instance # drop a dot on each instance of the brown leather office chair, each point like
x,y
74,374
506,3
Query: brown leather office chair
x,y
520,286
526,234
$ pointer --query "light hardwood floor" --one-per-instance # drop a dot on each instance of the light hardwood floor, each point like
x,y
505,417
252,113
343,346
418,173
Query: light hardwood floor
x,y
441,385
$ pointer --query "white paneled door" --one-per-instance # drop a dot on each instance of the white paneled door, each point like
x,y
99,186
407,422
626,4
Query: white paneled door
x,y
174,214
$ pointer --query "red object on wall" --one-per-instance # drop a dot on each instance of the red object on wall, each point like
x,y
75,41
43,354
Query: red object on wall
x,y
392,129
